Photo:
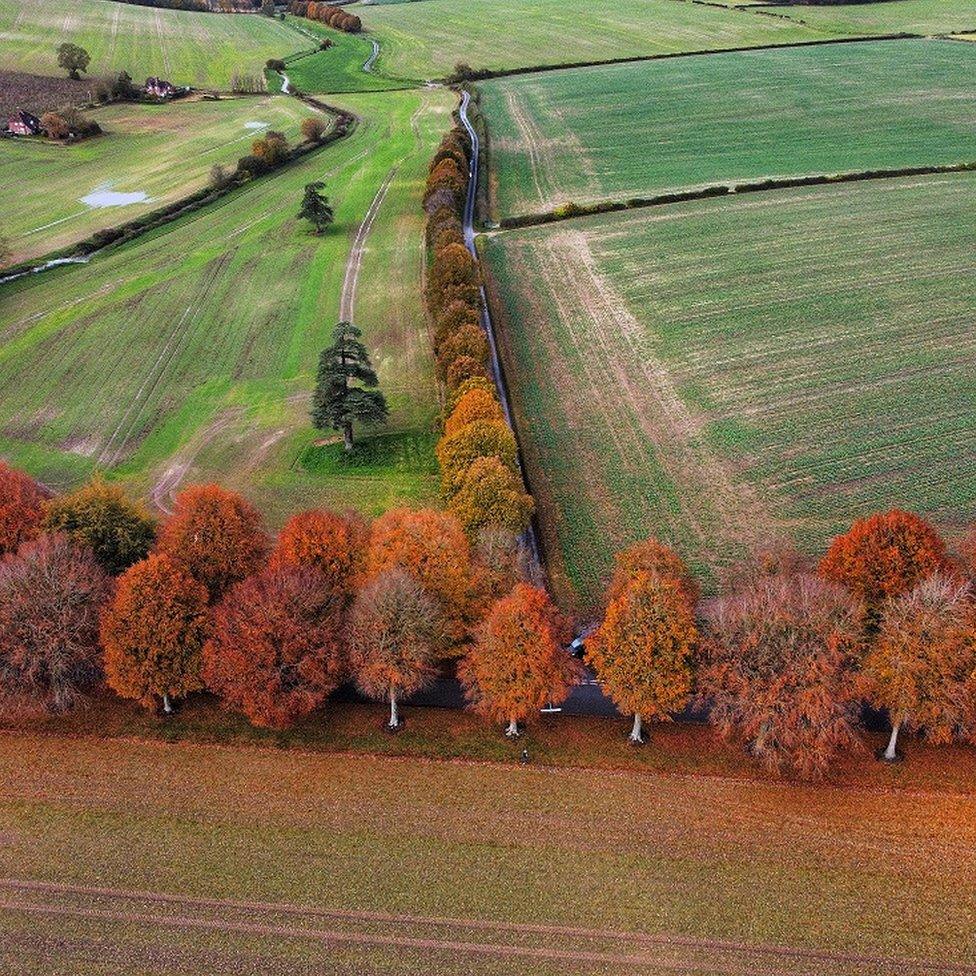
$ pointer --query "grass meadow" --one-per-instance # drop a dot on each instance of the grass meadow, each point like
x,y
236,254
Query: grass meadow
x,y
183,47
426,39
190,353
375,865
891,17
165,152
626,130
730,372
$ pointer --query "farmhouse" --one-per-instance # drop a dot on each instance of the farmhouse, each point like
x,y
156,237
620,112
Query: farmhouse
x,y
24,124
158,88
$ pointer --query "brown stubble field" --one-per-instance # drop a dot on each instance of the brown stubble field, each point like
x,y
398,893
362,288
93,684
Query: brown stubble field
x,y
130,856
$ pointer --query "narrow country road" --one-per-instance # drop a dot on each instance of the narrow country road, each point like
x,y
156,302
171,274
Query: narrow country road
x,y
371,60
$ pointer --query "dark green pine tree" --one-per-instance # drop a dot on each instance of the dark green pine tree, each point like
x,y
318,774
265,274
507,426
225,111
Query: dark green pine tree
x,y
338,404
315,207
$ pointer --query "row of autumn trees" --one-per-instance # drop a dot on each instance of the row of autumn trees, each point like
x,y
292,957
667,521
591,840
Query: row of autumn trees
x,y
326,13
478,457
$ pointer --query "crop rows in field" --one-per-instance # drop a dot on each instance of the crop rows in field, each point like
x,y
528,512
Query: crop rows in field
x,y
191,352
730,372
636,129
164,152
890,17
186,48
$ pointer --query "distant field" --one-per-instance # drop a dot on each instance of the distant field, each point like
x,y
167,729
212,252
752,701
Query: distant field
x,y
425,40
632,129
164,152
191,353
911,16
340,68
477,869
186,48
729,372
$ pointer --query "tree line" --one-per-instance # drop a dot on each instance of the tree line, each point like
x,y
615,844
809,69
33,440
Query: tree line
x,y
326,13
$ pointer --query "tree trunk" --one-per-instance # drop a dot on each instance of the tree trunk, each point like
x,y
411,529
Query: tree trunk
x,y
635,732
512,731
347,435
891,753
167,707
394,713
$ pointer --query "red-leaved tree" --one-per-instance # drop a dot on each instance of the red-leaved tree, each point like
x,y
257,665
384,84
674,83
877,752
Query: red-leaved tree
x,y
517,664
50,596
321,540
216,536
21,508
651,556
277,646
153,632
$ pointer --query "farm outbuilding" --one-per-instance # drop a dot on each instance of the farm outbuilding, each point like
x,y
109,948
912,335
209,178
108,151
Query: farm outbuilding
x,y
24,124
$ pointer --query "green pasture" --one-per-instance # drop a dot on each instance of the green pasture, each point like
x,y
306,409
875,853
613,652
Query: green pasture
x,y
627,130
729,373
891,17
426,39
185,48
190,353
164,151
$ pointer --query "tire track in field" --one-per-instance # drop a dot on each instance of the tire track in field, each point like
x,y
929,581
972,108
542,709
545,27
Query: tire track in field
x,y
671,952
347,299
531,137
159,367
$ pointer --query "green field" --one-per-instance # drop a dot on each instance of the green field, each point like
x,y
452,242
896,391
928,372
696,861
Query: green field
x,y
165,152
340,68
189,354
726,373
185,48
895,16
426,39
626,130
477,869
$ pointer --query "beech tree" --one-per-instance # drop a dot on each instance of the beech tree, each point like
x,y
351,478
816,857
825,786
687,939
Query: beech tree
x,y
922,667
456,452
431,547
276,652
491,494
324,541
216,535
394,639
73,59
651,556
153,632
315,206
477,403
517,664
336,403
780,670
313,128
22,502
50,596
642,651
119,531
884,555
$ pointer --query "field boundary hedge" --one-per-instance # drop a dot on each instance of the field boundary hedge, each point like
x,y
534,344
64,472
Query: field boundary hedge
x,y
345,124
487,74
570,210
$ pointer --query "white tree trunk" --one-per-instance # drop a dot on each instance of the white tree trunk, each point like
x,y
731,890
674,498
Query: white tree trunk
x,y
512,730
394,713
891,753
636,732
167,707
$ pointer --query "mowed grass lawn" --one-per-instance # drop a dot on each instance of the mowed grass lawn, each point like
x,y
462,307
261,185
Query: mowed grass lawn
x,y
190,353
476,869
185,48
164,152
625,130
426,39
729,373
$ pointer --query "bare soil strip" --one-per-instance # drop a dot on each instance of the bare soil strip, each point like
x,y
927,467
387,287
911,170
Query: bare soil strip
x,y
637,953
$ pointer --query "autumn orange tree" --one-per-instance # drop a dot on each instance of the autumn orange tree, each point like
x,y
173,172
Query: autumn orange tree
x,y
490,494
216,535
50,596
517,664
651,556
884,555
321,540
780,670
153,632
21,508
276,651
922,667
457,394
118,530
462,369
394,635
431,547
643,649
456,452
477,403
